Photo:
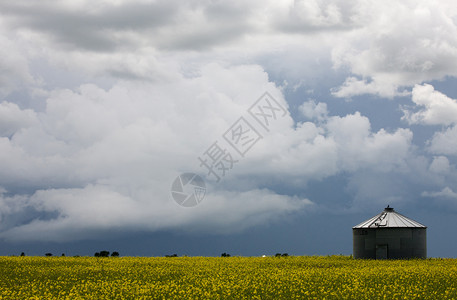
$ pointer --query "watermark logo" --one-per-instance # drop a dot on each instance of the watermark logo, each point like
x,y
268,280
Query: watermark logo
x,y
266,109
188,189
218,159
242,136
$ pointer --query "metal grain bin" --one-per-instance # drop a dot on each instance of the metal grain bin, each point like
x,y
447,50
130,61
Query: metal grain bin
x,y
389,235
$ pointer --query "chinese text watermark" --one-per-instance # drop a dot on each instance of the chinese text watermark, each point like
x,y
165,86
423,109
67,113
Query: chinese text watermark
x,y
218,160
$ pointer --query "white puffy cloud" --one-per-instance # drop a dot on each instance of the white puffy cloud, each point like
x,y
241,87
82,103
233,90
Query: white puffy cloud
x,y
399,45
13,119
314,151
312,111
305,151
353,86
361,148
444,142
437,108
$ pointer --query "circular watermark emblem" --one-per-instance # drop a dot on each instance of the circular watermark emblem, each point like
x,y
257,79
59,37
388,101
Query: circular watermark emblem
x,y
188,189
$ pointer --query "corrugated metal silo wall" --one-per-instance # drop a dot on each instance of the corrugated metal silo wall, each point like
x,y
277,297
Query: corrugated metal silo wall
x,y
400,242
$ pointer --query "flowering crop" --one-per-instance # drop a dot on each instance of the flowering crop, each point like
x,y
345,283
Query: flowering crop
x,y
293,277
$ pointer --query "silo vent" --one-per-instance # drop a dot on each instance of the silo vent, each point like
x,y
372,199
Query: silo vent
x,y
388,208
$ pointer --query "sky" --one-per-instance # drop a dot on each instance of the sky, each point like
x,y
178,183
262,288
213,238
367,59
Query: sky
x,y
301,118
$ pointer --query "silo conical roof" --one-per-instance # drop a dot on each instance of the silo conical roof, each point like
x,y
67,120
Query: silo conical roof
x,y
389,218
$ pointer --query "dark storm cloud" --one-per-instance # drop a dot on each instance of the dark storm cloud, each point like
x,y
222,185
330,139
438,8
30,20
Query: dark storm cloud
x,y
161,24
85,28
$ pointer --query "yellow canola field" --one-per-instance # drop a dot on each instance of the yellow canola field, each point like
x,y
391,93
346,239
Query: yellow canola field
x,y
293,277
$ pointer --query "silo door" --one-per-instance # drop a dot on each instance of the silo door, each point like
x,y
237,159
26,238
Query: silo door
x,y
381,252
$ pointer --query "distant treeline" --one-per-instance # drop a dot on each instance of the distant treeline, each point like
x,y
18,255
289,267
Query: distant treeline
x,y
105,253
